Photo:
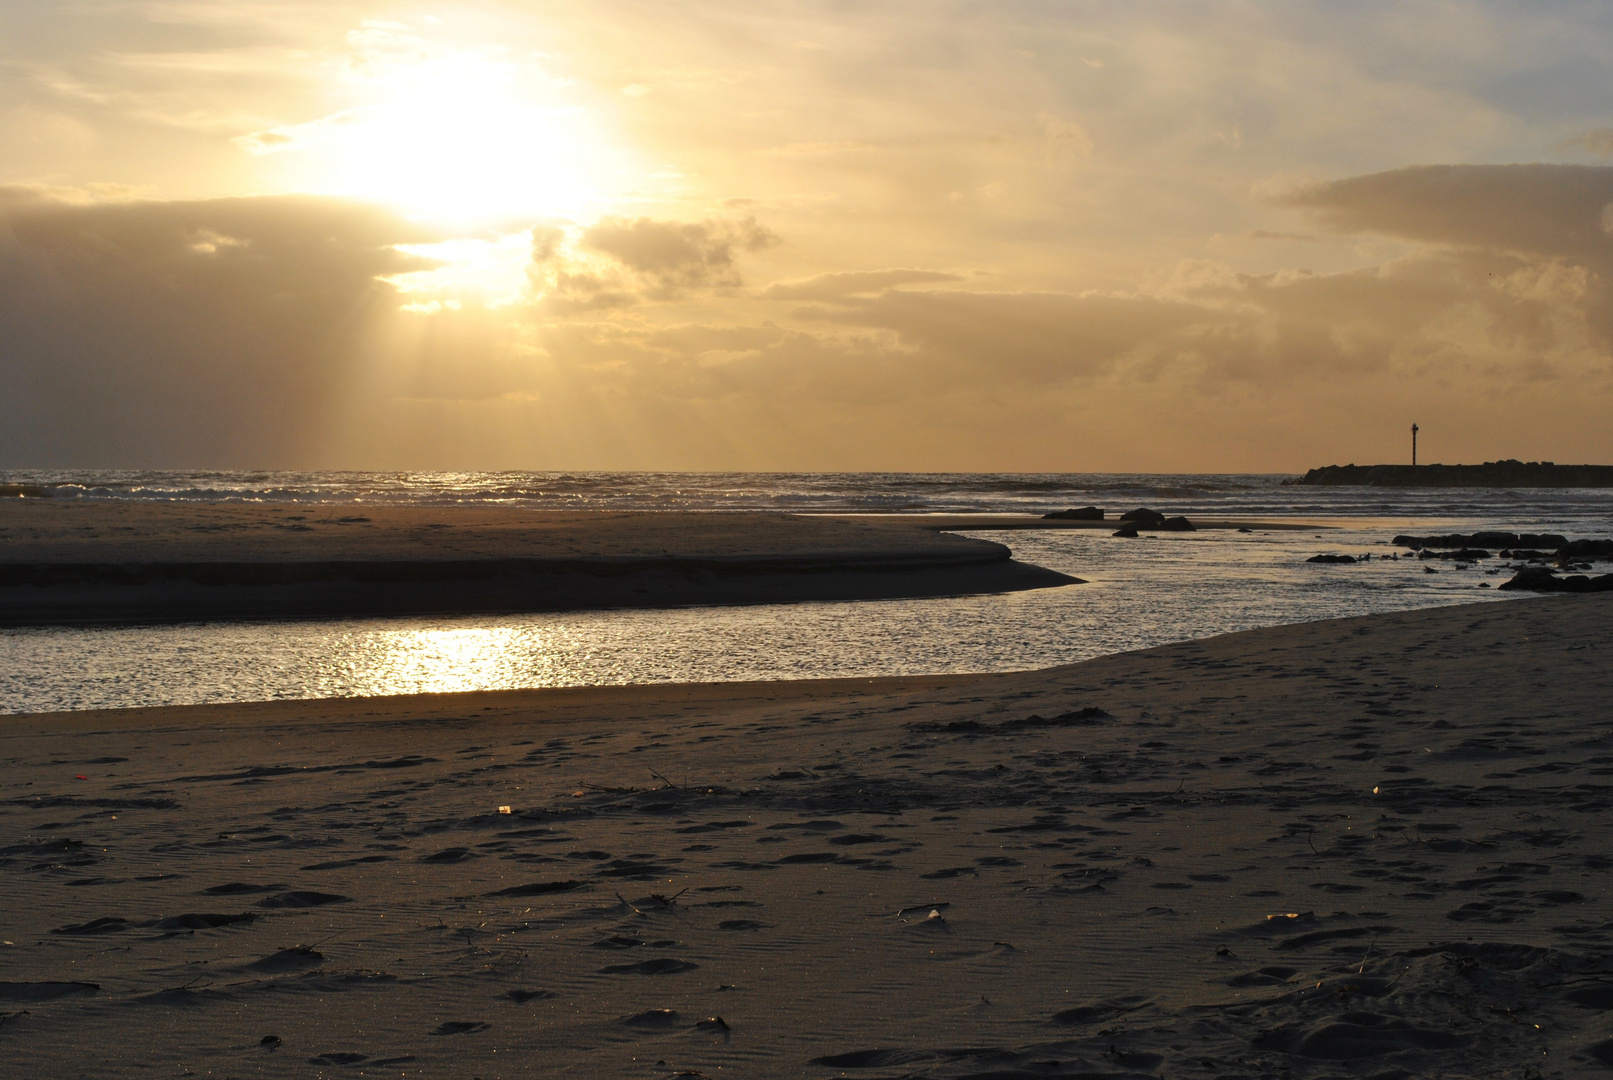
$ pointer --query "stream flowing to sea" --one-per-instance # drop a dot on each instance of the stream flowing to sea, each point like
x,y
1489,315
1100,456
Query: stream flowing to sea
x,y
1151,591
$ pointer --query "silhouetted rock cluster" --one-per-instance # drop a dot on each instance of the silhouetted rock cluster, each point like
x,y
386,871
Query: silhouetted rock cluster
x,y
1586,549
1505,473
1523,547
1488,540
1085,513
1144,518
1541,579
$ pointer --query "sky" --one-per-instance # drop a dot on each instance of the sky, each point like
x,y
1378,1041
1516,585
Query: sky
x,y
791,235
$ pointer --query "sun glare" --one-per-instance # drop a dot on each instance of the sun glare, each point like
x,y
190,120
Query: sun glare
x,y
459,135
492,272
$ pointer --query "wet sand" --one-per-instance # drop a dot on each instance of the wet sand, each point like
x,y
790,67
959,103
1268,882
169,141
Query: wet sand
x,y
86,561
1373,847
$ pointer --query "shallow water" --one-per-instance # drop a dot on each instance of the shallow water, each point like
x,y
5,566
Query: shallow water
x,y
1141,593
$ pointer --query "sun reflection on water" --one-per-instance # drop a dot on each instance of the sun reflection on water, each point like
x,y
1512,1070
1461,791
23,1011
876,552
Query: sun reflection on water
x,y
439,660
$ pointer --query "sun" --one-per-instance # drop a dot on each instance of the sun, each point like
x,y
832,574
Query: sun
x,y
454,135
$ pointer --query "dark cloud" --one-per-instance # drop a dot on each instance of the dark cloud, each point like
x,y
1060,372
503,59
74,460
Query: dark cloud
x,y
196,333
672,256
1530,244
1556,210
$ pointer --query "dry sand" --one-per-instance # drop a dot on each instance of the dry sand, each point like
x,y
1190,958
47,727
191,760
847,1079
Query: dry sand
x,y
1373,847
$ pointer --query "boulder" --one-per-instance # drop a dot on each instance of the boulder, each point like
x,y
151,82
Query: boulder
x,y
1331,559
1143,518
1177,524
1586,549
1128,533
1085,513
1541,540
1494,539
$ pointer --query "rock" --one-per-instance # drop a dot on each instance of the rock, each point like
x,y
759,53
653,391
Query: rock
x,y
1586,549
1128,533
1085,513
1541,579
1177,524
1489,540
1143,518
1506,473
1331,559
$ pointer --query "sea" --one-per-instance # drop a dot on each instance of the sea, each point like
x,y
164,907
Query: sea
x,y
1140,593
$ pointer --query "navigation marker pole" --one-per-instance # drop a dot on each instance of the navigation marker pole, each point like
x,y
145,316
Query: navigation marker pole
x,y
1414,446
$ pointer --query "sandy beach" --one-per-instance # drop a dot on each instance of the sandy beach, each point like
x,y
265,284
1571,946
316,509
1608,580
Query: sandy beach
x,y
1371,847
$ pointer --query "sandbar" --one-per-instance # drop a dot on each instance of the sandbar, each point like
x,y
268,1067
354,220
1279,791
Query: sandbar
x,y
87,561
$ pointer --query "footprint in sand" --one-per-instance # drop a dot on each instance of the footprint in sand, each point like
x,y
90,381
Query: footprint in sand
x,y
293,959
1266,976
339,1057
809,857
661,966
341,864
240,888
1357,1035
624,941
304,898
1101,1011
449,855
177,924
537,888
108,925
